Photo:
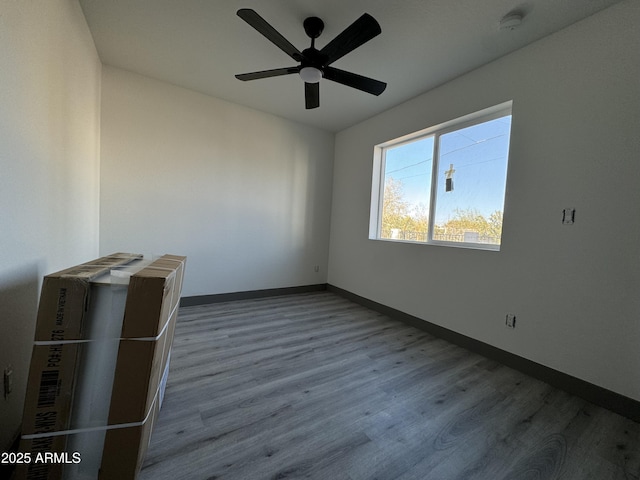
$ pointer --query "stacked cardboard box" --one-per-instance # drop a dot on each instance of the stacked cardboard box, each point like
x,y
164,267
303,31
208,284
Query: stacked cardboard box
x,y
101,351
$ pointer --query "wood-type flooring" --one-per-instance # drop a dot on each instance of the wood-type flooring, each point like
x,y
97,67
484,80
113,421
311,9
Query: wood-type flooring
x,y
315,386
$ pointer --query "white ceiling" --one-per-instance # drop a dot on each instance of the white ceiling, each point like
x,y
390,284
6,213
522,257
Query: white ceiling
x,y
202,44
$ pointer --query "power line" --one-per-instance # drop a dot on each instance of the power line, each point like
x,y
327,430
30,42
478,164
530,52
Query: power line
x,y
408,166
413,176
473,144
478,163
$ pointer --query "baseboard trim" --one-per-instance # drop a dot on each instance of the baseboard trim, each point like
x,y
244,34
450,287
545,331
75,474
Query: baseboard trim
x,y
613,401
248,295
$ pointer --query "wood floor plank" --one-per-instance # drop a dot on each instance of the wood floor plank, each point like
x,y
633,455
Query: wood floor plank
x,y
315,386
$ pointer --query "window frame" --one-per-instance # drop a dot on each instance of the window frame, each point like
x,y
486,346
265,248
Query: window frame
x,y
436,131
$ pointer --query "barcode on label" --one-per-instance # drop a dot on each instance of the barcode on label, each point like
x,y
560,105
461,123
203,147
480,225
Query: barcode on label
x,y
48,389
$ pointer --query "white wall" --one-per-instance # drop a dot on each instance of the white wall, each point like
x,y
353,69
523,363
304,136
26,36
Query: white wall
x,y
245,195
49,168
575,143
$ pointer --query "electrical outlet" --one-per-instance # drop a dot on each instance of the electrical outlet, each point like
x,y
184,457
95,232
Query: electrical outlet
x,y
8,381
510,320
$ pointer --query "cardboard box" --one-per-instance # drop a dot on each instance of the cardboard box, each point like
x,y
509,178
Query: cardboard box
x,y
121,454
125,448
102,345
68,323
65,296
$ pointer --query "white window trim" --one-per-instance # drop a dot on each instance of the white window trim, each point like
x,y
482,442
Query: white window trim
x,y
377,186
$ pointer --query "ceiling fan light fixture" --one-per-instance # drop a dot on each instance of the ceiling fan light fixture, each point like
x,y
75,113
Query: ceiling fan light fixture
x,y
310,74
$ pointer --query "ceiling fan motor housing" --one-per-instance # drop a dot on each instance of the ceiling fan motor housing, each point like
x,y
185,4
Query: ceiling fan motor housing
x,y
313,58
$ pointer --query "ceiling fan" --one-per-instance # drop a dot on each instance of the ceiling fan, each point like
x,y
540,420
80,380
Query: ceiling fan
x,y
315,64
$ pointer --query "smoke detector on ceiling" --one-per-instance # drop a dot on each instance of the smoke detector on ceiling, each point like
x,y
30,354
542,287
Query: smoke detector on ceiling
x,y
511,21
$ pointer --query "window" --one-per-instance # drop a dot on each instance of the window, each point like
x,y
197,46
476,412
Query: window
x,y
444,185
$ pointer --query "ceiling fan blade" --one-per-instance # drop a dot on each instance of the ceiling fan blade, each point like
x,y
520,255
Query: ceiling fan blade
x,y
311,95
359,32
267,73
261,25
366,84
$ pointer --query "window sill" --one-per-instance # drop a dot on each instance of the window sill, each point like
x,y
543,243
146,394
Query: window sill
x,y
470,246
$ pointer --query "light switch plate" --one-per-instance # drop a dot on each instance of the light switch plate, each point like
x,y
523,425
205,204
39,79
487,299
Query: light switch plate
x,y
510,320
8,381
568,216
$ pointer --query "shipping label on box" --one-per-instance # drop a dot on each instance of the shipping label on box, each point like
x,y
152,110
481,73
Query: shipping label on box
x,y
50,388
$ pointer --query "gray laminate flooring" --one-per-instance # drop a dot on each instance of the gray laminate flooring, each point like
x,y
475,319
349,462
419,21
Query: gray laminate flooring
x,y
315,386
